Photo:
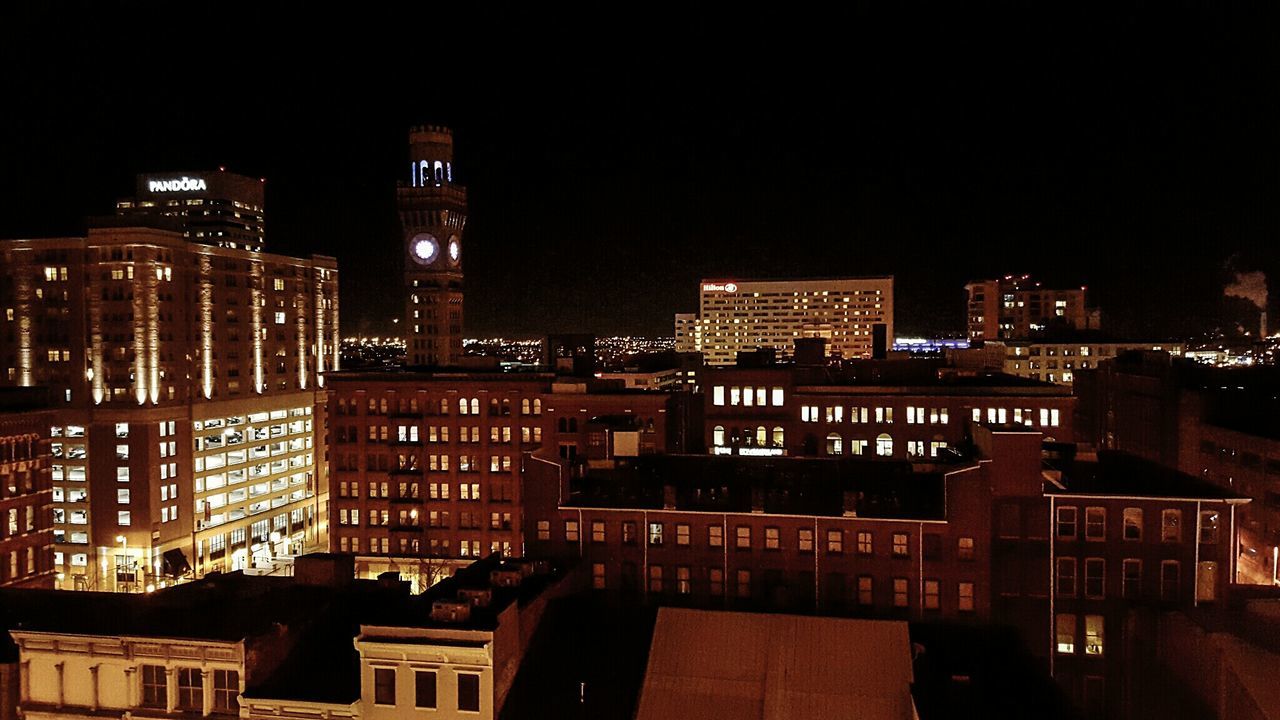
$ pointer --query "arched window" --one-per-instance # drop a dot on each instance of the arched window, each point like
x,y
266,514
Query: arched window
x,y
537,406
778,437
475,406
835,445
573,425
462,406
524,406
717,436
762,436
884,445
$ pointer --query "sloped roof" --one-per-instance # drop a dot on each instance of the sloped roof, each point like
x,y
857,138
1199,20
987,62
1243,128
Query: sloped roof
x,y
709,664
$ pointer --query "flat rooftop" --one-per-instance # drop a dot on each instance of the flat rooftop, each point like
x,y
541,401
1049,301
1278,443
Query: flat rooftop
x,y
779,485
1121,474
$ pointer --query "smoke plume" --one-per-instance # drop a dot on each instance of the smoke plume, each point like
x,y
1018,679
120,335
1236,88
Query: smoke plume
x,y
1251,286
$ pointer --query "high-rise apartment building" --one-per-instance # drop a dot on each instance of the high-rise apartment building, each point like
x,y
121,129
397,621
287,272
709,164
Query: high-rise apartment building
x,y
688,333
433,214
1017,307
853,315
185,379
216,208
26,539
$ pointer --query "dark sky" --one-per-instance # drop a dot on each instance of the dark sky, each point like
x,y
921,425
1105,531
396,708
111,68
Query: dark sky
x,y
614,159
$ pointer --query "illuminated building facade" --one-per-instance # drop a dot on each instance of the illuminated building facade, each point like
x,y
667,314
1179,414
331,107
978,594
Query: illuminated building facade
x,y
185,378
1058,362
895,409
1016,307
849,313
26,538
688,333
433,215
217,208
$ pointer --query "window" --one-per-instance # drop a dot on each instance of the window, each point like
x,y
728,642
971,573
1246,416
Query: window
x,y
469,692
154,687
1095,523
900,545
597,576
683,586
899,592
190,689
655,533
1131,585
1093,635
1171,526
682,534
835,446
1209,527
1095,573
772,540
804,541
715,579
743,541
629,532
776,397
884,445
1066,632
864,590
715,536
597,531
835,542
717,395
1066,577
1067,523
655,578
1170,577
570,530
744,583
123,517
1133,524
544,529
384,686
930,592
964,548
965,603
864,542
226,687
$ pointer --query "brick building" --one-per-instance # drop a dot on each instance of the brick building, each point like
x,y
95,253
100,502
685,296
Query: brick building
x,y
1017,307
26,493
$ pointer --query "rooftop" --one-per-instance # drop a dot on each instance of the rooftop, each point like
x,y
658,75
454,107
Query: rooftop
x,y
1124,475
777,485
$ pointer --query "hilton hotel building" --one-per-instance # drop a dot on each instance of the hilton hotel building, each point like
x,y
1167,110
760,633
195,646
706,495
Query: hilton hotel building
x,y
771,314
188,400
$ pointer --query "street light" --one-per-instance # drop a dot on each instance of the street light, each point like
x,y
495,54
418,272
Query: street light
x,y
124,542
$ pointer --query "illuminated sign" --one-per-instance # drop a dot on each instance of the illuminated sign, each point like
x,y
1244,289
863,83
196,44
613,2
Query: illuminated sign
x,y
748,451
182,184
720,287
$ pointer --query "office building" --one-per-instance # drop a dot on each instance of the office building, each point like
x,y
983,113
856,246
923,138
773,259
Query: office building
x,y
1017,308
891,409
433,215
1054,360
688,333
184,378
26,493
853,315
216,208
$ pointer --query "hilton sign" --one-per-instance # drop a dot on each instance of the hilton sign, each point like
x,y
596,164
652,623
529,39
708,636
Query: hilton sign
x,y
182,184
720,287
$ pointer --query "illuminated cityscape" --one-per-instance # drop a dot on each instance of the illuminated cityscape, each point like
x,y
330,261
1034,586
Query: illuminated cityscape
x,y
889,364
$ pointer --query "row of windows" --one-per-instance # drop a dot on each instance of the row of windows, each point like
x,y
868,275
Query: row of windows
x,y
425,696
439,547
498,491
189,684
466,406
658,580
1093,585
747,396
439,433
1133,528
804,539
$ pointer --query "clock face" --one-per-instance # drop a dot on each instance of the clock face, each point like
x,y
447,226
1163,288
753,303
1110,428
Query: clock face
x,y
455,250
424,248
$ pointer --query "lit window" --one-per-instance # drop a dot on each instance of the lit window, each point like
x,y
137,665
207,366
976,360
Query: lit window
x,y
1095,523
1209,527
900,545
1133,523
1066,633
1171,526
1093,634
965,597
900,596
280,318
123,518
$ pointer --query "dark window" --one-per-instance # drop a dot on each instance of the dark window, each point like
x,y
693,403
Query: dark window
x,y
469,692
384,686
154,686
424,683
932,546
226,688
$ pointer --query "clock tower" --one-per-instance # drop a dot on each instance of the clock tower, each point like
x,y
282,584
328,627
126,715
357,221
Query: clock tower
x,y
433,214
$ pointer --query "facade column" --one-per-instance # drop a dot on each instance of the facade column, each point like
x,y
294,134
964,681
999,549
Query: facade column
x,y
206,687
132,692
93,678
170,689
62,686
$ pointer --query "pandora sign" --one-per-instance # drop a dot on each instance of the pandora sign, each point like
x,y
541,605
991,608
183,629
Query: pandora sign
x,y
182,184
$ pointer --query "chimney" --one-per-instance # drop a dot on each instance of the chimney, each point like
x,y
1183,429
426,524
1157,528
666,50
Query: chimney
x,y
1262,331
450,611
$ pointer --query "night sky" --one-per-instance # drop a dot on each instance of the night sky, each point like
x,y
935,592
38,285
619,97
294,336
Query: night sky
x,y
612,161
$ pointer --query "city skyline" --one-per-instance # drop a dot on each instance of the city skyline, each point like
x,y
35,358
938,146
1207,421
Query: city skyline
x,y
921,169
